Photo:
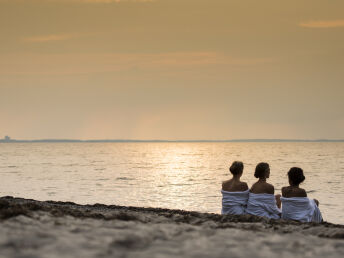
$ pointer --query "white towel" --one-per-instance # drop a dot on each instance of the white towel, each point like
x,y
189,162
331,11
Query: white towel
x,y
263,205
234,202
300,208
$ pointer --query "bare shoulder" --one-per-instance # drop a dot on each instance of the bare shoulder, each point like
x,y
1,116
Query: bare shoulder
x,y
284,191
302,192
226,181
228,185
253,187
290,192
243,186
224,184
261,188
270,188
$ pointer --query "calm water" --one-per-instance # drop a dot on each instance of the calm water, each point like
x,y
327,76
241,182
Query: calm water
x,y
172,175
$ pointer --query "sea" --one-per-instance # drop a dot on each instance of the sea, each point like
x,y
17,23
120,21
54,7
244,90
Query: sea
x,y
175,175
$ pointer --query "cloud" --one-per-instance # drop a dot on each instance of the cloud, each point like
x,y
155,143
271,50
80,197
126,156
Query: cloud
x,y
113,1
102,1
120,62
51,37
323,24
84,1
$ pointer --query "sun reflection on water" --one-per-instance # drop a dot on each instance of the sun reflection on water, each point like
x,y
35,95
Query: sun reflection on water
x,y
171,175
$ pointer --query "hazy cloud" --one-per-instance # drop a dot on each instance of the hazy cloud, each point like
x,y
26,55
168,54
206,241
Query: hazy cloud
x,y
323,24
175,62
51,37
80,1
101,1
116,1
171,69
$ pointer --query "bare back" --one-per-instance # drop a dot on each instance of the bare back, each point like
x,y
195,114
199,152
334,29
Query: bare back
x,y
290,192
234,186
262,187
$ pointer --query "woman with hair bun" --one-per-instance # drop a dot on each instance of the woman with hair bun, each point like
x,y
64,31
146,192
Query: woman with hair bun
x,y
234,192
262,201
295,203
295,177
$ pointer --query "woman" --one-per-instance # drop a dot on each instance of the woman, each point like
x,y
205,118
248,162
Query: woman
x,y
234,192
261,201
296,205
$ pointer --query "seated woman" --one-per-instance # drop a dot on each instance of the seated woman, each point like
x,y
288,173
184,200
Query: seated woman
x,y
234,192
295,204
261,201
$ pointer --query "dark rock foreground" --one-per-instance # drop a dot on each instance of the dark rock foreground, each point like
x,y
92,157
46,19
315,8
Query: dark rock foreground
x,y
32,228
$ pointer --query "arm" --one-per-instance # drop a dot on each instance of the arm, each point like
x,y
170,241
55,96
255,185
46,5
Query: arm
x,y
278,200
284,192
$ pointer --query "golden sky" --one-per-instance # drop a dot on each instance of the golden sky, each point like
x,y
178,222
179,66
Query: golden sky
x,y
172,69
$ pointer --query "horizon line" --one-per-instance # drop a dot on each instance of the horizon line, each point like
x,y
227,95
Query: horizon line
x,y
8,140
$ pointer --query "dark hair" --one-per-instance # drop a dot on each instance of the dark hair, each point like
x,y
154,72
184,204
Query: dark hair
x,y
296,176
236,168
261,168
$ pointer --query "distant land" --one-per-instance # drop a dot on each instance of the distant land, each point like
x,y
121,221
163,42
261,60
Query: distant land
x,y
9,140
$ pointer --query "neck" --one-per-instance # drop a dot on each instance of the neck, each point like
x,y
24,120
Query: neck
x,y
236,177
296,186
262,180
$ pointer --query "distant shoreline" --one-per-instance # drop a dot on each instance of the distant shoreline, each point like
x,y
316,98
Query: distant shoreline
x,y
163,141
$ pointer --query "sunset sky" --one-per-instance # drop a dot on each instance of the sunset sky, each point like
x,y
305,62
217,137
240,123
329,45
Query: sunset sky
x,y
172,69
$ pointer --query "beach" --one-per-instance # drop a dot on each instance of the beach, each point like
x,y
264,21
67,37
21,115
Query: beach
x,y
31,228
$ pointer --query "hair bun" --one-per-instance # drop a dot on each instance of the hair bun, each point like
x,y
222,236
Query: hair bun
x,y
296,175
236,168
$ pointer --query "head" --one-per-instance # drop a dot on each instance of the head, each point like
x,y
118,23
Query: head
x,y
262,170
236,168
296,176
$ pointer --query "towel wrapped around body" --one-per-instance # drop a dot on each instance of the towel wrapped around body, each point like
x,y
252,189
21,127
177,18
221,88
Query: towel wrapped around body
x,y
234,202
263,205
300,208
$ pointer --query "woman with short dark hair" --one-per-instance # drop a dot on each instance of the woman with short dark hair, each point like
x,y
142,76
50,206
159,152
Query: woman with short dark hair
x,y
295,203
234,192
262,170
295,177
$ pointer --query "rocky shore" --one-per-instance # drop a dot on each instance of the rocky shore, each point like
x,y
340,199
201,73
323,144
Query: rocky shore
x,y
32,228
